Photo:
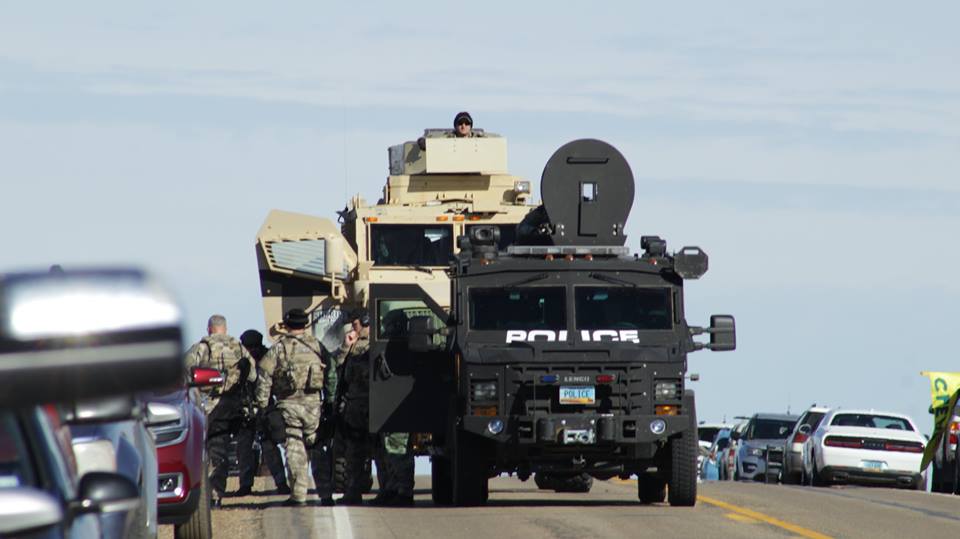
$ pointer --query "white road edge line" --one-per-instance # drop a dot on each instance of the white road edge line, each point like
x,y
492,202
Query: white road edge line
x,y
341,522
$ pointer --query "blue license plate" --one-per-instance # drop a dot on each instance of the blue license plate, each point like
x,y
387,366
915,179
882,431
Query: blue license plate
x,y
577,395
872,465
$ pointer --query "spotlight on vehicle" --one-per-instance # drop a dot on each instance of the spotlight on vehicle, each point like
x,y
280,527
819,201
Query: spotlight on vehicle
x,y
495,426
657,426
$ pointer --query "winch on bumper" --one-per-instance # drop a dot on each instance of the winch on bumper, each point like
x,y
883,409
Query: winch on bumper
x,y
577,429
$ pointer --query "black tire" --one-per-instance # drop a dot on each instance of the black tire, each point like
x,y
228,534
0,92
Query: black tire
x,y
790,478
340,475
816,480
544,481
651,488
199,525
949,473
682,490
441,484
469,471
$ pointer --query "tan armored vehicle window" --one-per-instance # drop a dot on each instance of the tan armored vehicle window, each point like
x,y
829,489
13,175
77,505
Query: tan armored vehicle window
x,y
411,245
395,316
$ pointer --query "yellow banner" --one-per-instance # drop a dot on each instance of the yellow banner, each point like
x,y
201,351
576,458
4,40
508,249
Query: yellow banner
x,y
942,386
941,416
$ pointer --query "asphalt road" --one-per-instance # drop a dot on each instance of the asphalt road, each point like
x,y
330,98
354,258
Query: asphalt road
x,y
518,509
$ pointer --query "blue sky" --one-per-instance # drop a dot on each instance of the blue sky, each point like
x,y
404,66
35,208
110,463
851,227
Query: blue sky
x,y
811,150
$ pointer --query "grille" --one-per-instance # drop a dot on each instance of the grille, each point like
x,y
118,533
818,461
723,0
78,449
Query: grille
x,y
623,396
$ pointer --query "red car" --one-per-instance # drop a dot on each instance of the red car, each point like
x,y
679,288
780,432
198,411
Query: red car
x,y
179,427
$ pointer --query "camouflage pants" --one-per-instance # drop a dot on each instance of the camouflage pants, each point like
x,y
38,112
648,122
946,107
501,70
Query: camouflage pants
x,y
301,418
222,421
395,464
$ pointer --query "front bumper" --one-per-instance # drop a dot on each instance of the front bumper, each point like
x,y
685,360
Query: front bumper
x,y
577,429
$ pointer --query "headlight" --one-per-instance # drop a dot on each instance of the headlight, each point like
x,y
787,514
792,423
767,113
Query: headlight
x,y
484,391
666,390
522,186
755,451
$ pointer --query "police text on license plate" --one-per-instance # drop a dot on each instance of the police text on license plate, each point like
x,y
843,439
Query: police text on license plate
x,y
872,465
577,395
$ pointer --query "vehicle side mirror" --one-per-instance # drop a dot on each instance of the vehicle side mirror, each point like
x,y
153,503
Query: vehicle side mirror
x,y
723,333
805,429
105,492
27,509
203,377
159,413
420,334
103,410
75,335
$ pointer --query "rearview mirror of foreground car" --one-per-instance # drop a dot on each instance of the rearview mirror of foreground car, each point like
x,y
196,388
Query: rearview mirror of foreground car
x,y
83,334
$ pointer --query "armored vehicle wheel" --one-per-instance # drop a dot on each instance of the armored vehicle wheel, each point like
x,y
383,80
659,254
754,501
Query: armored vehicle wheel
x,y
469,471
544,481
651,488
340,475
441,484
683,462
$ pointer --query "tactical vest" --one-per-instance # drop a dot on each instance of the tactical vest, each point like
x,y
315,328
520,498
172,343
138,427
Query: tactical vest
x,y
299,367
225,356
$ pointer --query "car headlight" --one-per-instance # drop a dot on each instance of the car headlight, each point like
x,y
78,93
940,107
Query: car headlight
x,y
666,390
755,451
484,391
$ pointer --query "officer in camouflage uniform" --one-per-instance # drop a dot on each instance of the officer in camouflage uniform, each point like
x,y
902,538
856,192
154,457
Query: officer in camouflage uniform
x,y
223,403
293,371
255,428
354,405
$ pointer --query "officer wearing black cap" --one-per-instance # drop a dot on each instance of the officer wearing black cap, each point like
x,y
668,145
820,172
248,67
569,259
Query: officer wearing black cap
x,y
463,125
256,428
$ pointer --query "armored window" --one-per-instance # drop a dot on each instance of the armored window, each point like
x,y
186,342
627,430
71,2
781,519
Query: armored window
x,y
394,317
508,235
411,245
526,308
622,307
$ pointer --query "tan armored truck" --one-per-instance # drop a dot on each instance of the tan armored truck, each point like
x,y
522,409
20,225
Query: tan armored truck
x,y
439,187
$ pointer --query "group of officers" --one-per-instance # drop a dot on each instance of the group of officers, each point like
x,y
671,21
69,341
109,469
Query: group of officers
x,y
297,395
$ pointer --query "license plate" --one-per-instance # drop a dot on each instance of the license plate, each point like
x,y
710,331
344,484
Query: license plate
x,y
577,395
872,465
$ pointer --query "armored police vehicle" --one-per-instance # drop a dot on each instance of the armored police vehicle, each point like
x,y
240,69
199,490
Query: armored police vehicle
x,y
561,352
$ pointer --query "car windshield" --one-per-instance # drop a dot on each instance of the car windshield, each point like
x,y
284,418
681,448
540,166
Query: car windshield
x,y
769,429
620,307
411,245
15,465
707,434
871,421
508,235
526,308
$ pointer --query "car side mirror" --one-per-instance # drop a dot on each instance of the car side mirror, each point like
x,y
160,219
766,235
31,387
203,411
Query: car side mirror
x,y
103,410
420,334
105,492
723,333
27,509
204,377
805,429
75,335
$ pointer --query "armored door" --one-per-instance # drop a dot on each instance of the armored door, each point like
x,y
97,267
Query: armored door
x,y
409,391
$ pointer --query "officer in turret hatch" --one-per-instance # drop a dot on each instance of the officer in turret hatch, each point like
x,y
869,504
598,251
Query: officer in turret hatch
x,y
463,126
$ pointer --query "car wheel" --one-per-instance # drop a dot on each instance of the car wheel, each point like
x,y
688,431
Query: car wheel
x,y
199,525
815,479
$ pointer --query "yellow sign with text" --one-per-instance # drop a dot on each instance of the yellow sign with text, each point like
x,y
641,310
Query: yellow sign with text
x,y
942,386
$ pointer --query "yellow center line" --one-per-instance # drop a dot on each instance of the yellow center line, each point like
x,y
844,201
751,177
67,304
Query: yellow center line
x,y
751,514
794,528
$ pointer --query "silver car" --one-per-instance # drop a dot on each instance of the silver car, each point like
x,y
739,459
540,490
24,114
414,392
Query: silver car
x,y
763,432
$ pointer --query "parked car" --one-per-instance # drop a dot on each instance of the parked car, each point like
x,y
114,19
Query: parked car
x,y
761,431
65,337
864,446
793,456
110,435
179,425
946,473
